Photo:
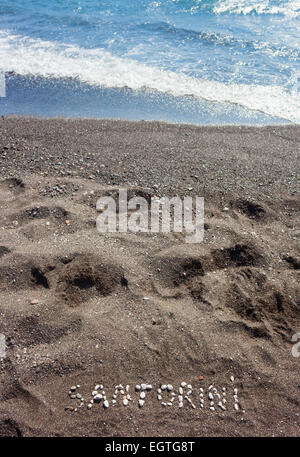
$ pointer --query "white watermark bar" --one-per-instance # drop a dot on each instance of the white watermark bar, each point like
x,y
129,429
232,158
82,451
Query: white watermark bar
x,y
163,215
2,85
296,346
2,346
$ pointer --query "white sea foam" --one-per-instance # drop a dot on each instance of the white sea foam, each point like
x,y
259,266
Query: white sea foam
x,y
289,8
28,56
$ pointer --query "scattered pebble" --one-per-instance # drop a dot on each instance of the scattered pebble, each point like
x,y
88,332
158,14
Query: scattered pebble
x,y
98,398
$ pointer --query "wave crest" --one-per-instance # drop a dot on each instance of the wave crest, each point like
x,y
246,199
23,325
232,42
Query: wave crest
x,y
27,56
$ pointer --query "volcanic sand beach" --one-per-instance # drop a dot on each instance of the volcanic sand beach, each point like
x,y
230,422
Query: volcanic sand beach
x,y
79,307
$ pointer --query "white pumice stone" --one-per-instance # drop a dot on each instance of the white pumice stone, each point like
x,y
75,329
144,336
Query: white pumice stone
x,y
97,398
141,403
127,388
143,386
210,387
224,400
236,406
201,395
95,392
159,397
169,387
210,396
180,390
183,384
73,388
169,403
164,403
180,405
92,401
211,403
224,389
97,387
212,408
220,404
114,402
189,392
106,404
193,406
137,387
89,406
201,389
232,378
159,391
114,396
101,386
128,397
201,405
149,387
180,398
122,392
189,386
163,387
142,395
214,390
125,402
235,391
218,396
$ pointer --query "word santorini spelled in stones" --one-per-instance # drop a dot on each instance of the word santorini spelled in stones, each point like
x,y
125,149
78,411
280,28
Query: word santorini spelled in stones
x,y
211,398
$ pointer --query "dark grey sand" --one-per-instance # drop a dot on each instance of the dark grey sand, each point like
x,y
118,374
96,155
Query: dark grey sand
x,y
72,300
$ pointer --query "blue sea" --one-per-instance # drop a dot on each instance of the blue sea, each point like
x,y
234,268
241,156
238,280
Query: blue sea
x,y
194,61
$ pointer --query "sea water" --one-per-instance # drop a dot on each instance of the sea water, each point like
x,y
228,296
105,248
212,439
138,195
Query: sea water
x,y
198,61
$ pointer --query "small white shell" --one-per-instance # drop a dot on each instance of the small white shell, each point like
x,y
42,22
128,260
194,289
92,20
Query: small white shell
x,y
220,404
